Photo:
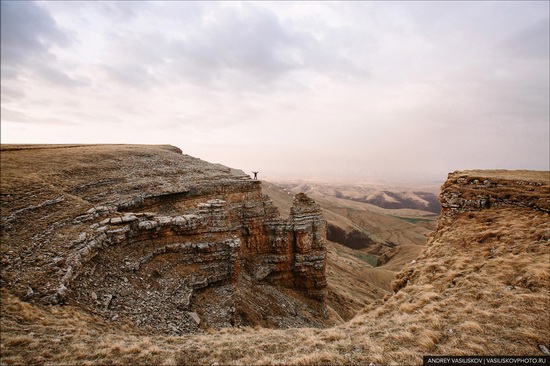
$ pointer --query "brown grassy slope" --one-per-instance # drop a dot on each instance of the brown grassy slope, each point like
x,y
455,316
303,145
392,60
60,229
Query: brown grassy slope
x,y
382,225
529,175
480,287
352,281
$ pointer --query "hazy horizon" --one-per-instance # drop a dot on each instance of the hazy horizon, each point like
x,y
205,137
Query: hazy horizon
x,y
387,91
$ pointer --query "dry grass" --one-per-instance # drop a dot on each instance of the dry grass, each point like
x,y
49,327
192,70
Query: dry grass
x,y
463,297
542,175
459,300
480,286
352,280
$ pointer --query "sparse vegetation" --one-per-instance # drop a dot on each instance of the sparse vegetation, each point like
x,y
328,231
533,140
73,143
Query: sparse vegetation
x,y
367,257
481,286
421,318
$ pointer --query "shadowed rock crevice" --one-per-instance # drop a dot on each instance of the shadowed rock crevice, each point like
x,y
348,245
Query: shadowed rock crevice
x,y
353,239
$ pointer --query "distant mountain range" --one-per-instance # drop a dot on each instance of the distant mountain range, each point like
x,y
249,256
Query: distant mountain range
x,y
423,198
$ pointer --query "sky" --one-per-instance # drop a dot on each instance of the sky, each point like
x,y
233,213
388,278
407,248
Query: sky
x,y
313,90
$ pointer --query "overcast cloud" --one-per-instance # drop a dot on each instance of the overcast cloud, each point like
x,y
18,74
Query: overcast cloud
x,y
352,90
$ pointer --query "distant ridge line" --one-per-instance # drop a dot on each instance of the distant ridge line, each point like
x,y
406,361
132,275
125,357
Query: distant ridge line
x,y
18,147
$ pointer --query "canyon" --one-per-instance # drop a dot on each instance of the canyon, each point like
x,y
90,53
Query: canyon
x,y
141,254
179,247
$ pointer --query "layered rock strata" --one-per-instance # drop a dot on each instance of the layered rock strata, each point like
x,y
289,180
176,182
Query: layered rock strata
x,y
474,190
168,243
479,208
291,252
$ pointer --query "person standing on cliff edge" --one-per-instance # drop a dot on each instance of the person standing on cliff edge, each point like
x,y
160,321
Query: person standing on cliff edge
x,y
255,175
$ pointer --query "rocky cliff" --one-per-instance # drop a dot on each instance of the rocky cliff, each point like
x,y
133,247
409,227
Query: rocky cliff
x,y
481,285
150,235
483,206
475,190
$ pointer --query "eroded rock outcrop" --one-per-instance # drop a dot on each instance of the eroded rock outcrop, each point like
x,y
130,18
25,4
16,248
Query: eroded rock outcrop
x,y
141,261
173,250
474,190
474,201
290,252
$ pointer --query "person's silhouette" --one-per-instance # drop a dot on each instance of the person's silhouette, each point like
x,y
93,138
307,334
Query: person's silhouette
x,y
255,175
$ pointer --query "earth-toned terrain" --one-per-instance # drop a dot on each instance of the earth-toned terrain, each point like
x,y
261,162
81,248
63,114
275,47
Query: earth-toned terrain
x,y
367,244
166,241
143,255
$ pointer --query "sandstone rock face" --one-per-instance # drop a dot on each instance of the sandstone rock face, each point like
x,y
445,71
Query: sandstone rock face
x,y
310,246
172,251
471,190
290,252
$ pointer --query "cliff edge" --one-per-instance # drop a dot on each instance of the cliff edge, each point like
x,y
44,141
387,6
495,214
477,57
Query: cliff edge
x,y
148,234
481,286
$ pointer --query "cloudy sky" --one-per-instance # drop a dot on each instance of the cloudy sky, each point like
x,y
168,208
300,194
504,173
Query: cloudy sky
x,y
352,90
